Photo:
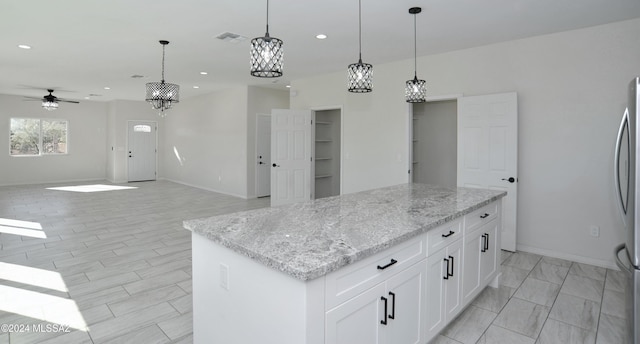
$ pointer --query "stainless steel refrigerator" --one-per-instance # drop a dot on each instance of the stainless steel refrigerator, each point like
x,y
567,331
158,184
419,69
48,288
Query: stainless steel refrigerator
x,y
627,179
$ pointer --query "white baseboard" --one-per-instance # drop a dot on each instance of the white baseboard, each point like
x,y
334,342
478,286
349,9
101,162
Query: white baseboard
x,y
609,264
204,188
65,181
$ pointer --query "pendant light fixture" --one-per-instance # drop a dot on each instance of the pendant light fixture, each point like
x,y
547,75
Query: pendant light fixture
x,y
266,55
360,74
161,95
416,90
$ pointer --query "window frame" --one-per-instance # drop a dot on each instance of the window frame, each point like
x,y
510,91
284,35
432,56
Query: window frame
x,y
41,152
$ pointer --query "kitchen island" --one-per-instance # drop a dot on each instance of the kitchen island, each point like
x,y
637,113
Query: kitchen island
x,y
384,265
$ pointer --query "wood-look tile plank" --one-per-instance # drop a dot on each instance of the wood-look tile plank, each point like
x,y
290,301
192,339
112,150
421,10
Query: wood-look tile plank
x,y
128,322
146,299
148,334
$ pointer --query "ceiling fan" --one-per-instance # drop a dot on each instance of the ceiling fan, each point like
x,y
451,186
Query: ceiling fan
x,y
50,102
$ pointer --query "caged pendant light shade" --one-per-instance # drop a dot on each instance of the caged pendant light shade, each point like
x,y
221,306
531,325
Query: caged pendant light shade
x,y
161,95
266,55
360,75
415,90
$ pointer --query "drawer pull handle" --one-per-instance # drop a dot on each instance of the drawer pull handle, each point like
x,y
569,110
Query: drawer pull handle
x,y
384,321
393,306
393,261
484,216
446,275
448,234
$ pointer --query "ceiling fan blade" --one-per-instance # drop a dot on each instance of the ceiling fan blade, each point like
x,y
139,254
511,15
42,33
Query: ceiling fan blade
x,y
32,98
68,101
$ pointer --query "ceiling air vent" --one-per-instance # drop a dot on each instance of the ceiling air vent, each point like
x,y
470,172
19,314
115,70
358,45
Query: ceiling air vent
x,y
137,76
231,37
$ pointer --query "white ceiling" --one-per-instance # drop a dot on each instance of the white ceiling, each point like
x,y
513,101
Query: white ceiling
x,y
81,46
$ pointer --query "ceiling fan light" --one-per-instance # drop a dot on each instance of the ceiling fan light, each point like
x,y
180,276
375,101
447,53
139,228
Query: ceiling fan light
x,y
49,105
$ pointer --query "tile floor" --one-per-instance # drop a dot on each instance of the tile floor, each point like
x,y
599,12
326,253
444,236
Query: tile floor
x,y
115,266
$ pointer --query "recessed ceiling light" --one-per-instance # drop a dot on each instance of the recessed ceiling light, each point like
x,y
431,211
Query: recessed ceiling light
x,y
107,88
321,36
196,86
24,46
203,73
87,98
288,86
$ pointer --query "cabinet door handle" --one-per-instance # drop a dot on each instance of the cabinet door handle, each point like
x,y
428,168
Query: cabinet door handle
x,y
393,306
484,216
452,264
384,321
446,275
486,247
393,261
484,243
448,234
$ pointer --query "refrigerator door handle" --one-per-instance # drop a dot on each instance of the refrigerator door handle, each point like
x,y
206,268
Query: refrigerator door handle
x,y
620,264
616,163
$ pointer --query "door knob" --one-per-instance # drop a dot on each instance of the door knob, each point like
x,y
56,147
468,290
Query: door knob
x,y
275,165
510,179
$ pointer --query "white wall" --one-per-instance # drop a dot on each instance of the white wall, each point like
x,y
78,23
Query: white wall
x,y
205,142
260,100
87,132
572,89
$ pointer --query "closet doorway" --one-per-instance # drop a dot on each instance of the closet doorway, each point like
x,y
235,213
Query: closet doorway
x,y
326,167
434,143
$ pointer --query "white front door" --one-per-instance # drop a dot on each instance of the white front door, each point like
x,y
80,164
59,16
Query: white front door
x,y
141,150
488,151
263,155
290,156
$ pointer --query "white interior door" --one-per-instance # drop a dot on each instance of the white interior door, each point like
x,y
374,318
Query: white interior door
x,y
263,155
488,151
290,156
141,152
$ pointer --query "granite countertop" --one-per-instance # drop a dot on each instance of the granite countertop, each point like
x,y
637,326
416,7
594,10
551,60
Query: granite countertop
x,y
310,239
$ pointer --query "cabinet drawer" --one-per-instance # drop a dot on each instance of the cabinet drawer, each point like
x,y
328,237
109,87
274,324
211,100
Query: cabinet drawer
x,y
443,235
351,280
479,217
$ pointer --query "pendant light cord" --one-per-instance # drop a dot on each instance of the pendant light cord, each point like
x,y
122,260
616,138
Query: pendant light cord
x,y
415,48
163,46
267,35
360,30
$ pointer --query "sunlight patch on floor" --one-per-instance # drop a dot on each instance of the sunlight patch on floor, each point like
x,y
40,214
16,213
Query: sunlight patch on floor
x,y
32,276
40,306
23,228
92,188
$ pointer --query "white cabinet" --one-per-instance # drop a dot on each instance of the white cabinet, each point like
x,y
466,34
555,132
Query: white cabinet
x,y
489,256
357,320
390,312
424,282
480,258
443,290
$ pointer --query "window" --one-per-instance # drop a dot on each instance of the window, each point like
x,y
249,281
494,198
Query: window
x,y
35,136
140,128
